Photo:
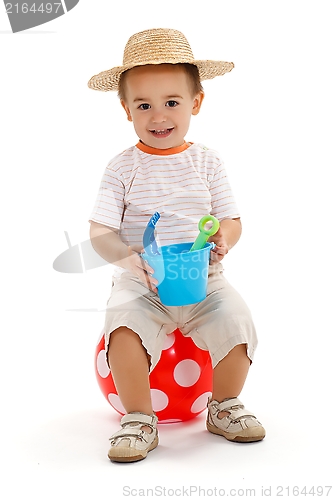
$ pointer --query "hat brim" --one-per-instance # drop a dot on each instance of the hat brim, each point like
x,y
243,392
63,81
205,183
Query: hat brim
x,y
109,80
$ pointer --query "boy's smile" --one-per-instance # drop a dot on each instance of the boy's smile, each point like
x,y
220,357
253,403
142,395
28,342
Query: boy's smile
x,y
162,133
160,104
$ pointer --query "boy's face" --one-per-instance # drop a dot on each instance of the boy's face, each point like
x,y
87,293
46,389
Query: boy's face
x,y
160,103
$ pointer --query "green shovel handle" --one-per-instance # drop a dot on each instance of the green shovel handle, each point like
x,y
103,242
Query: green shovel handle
x,y
204,234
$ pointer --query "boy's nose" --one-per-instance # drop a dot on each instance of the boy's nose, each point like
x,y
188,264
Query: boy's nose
x,y
158,117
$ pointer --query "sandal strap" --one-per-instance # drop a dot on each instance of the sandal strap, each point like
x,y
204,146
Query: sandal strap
x,y
139,418
226,405
130,432
235,414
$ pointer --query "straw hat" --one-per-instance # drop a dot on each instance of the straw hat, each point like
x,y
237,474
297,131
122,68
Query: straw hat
x,y
157,46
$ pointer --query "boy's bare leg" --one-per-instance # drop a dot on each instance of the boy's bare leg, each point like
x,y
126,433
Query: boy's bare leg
x,y
130,371
230,374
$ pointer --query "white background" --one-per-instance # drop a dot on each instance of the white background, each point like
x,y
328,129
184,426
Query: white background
x,y
271,119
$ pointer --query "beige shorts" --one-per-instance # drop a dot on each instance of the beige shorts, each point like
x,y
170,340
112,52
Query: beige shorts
x,y
217,324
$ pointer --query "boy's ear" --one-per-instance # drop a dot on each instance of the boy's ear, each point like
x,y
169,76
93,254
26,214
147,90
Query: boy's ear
x,y
197,103
126,108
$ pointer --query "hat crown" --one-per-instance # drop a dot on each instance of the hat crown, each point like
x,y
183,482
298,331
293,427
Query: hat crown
x,y
157,45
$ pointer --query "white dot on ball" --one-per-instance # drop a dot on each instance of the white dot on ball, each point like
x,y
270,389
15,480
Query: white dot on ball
x,y
187,372
159,399
102,367
116,403
169,341
200,403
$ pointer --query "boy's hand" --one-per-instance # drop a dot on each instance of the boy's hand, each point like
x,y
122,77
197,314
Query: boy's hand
x,y
226,237
220,250
141,268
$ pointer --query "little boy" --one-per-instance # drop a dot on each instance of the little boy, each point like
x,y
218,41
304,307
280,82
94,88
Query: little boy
x,y
159,86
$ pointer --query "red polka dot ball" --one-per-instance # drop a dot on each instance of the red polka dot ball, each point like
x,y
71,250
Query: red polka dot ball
x,y
180,383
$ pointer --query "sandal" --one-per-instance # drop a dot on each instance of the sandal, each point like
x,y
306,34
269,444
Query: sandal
x,y
240,425
132,443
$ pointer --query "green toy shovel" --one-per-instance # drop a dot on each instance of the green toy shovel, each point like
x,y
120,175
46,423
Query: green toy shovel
x,y
205,233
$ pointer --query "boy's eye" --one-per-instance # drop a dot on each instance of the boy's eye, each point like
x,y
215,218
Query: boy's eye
x,y
144,106
171,104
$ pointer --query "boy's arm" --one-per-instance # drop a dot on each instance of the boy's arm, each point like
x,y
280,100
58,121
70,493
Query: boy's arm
x,y
107,243
226,237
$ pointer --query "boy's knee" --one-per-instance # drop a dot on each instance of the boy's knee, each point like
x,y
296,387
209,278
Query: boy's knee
x,y
127,338
122,331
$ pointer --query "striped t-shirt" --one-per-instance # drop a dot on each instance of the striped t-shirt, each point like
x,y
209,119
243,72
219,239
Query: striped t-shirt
x,y
183,184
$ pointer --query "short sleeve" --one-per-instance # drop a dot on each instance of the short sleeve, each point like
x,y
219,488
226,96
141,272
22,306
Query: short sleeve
x,y
109,205
223,202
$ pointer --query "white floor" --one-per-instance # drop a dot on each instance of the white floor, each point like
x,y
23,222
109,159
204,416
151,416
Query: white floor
x,y
66,456
57,425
